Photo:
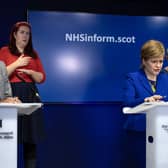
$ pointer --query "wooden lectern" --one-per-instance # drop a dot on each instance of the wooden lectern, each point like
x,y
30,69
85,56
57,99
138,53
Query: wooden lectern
x,y
8,130
156,132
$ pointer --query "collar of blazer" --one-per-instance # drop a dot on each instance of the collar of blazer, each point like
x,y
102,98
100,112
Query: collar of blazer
x,y
145,82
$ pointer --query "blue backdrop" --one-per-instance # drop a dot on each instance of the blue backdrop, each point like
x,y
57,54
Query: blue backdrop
x,y
87,55
82,136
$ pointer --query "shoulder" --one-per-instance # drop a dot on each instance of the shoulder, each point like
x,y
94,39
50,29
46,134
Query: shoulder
x,y
5,48
163,75
4,53
135,74
36,54
136,77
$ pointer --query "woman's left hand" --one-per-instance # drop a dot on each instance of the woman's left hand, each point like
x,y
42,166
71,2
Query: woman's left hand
x,y
36,76
26,71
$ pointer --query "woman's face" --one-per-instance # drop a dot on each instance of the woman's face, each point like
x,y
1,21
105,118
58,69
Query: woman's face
x,y
153,66
22,36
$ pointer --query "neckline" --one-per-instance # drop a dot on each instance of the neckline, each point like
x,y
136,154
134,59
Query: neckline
x,y
152,82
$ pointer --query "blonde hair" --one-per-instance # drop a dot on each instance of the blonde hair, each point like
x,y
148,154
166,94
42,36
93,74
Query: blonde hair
x,y
152,49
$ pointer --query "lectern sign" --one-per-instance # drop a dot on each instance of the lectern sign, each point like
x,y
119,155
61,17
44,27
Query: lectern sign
x,y
165,127
8,130
156,132
6,135
8,138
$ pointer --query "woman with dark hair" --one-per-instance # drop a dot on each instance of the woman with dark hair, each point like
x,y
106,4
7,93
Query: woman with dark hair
x,y
25,69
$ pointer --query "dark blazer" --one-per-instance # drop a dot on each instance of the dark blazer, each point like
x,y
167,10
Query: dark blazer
x,y
137,88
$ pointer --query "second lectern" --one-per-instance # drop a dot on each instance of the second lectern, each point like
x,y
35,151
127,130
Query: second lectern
x,y
156,132
8,130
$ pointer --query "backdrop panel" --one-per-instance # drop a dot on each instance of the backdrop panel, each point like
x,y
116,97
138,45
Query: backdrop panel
x,y
86,55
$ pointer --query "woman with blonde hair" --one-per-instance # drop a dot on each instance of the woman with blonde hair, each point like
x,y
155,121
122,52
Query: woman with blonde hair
x,y
148,84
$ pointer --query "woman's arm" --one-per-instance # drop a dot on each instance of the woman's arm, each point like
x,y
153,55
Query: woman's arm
x,y
130,98
36,76
21,61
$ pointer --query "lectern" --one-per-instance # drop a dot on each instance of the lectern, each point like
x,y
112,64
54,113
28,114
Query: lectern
x,y
8,130
156,132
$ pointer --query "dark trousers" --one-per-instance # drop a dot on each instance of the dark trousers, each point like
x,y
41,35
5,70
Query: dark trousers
x,y
29,154
30,128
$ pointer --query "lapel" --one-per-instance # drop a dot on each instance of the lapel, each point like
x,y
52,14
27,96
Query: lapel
x,y
144,81
159,84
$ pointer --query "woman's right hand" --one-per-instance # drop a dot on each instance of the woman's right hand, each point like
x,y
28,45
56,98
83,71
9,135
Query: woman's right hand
x,y
22,61
13,100
153,98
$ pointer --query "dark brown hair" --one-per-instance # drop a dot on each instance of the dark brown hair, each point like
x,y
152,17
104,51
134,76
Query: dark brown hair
x,y
12,41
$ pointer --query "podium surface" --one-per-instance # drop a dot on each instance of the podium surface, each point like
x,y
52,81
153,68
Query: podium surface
x,y
8,130
156,132
22,108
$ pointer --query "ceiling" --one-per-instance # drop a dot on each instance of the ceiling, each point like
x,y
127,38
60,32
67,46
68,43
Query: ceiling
x,y
129,7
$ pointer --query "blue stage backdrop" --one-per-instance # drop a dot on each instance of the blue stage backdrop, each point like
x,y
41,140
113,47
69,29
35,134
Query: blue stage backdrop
x,y
86,55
